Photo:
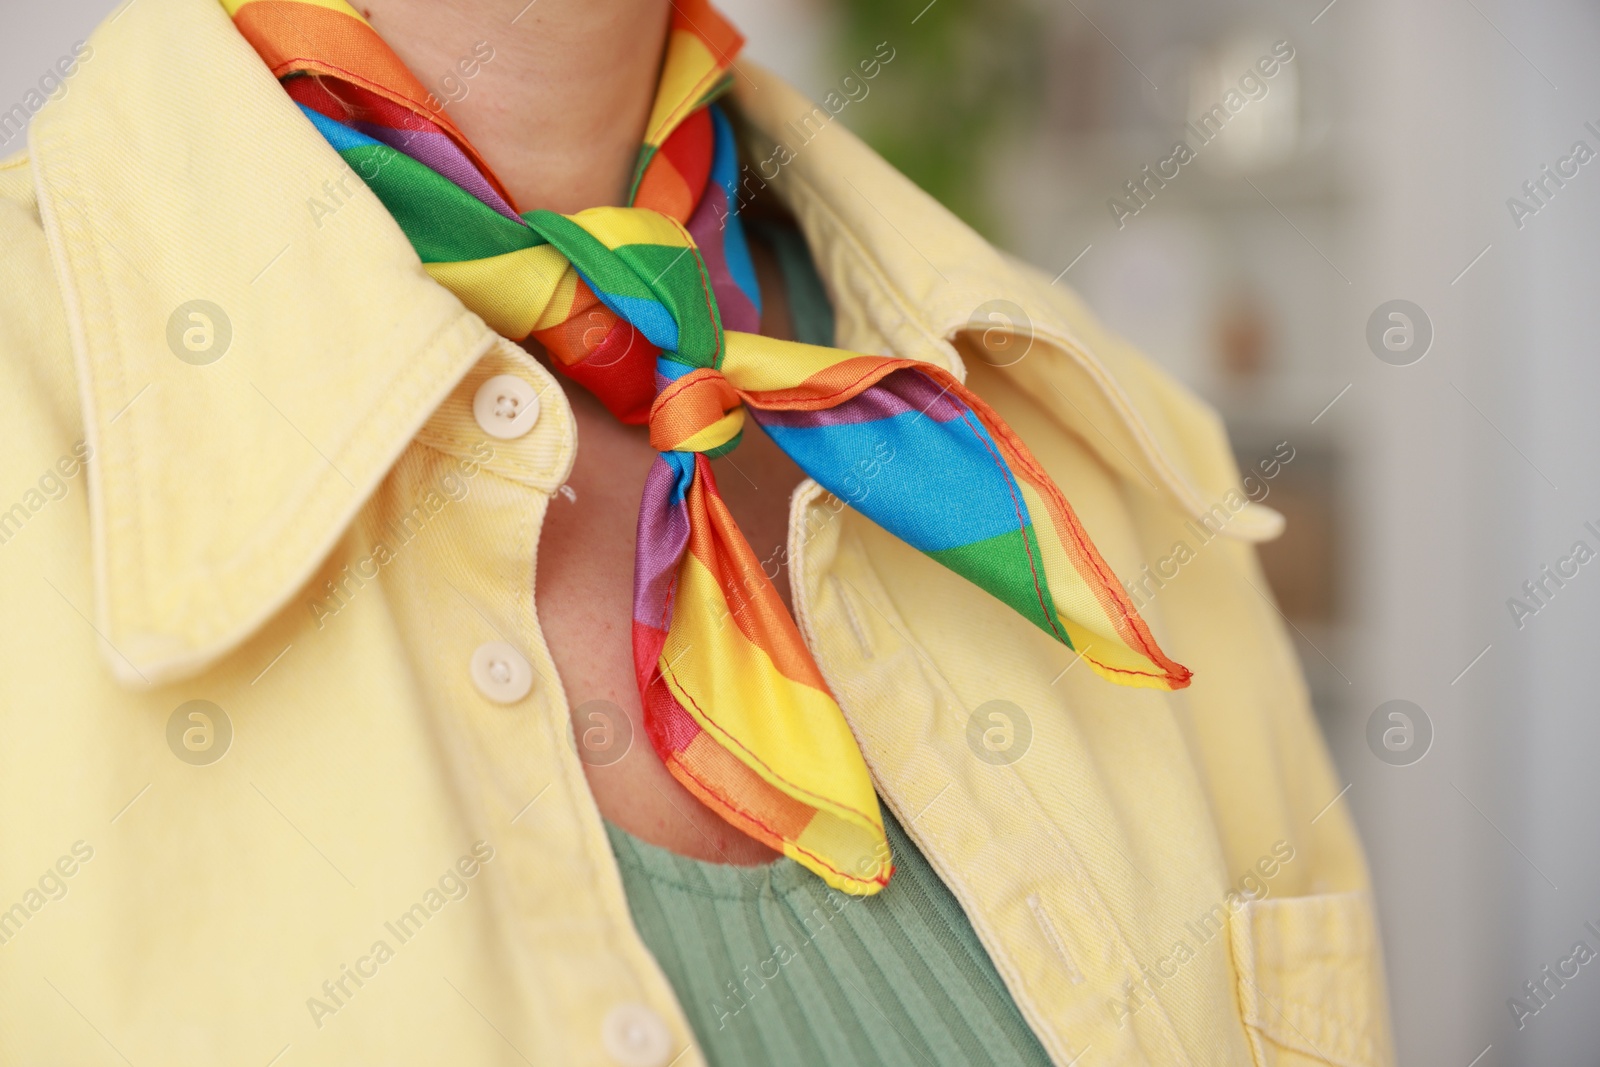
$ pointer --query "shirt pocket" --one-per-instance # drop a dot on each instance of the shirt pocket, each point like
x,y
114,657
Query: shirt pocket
x,y
1311,981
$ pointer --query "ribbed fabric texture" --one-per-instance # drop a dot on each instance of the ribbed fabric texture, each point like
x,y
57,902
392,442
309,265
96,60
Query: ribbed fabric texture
x,y
775,969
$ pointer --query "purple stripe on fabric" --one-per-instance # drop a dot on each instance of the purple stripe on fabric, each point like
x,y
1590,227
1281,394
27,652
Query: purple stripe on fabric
x,y
895,394
662,540
707,228
439,153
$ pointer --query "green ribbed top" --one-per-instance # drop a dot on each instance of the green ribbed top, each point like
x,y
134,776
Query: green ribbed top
x,y
774,969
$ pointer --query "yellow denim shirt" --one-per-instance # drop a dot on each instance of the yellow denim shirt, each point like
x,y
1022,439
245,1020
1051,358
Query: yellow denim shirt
x,y
272,791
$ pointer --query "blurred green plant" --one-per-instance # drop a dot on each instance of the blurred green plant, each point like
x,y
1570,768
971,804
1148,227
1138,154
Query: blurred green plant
x,y
967,74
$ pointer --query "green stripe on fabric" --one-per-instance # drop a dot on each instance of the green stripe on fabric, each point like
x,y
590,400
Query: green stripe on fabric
x,y
445,223
679,280
723,449
595,260
723,85
675,278
1008,566
647,152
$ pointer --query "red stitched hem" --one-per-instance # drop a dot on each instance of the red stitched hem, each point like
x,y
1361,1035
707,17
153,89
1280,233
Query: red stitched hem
x,y
715,800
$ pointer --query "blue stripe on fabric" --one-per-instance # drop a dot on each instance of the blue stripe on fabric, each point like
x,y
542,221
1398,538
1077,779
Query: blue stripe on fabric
x,y
649,317
671,369
945,486
725,172
337,134
682,464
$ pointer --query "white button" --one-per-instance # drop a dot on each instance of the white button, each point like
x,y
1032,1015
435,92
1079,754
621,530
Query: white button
x,y
501,673
506,406
635,1036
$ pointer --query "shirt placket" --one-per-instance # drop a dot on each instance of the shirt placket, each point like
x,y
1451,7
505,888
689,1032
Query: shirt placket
x,y
494,455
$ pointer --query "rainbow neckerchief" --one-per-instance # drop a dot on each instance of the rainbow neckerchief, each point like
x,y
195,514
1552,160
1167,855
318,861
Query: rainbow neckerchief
x,y
653,307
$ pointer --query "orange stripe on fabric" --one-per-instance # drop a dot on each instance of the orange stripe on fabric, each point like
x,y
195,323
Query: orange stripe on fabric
x,y
687,406
676,176
777,813
831,387
706,22
753,601
570,341
304,38
664,189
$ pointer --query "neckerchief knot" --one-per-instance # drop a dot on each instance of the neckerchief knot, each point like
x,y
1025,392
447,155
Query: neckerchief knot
x,y
699,412
653,307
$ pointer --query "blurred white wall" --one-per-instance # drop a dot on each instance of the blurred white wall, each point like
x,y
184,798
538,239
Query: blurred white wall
x,y
32,38
1474,468
790,38
1436,502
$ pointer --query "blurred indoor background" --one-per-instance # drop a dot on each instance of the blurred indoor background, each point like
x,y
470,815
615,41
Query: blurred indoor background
x,y
1375,165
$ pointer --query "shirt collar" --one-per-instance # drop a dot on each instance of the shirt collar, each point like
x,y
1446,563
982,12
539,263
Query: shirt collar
x,y
218,488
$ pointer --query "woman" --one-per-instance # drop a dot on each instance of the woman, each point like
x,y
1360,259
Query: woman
x,y
411,676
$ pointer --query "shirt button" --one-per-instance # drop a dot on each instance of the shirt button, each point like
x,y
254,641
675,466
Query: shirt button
x,y
501,673
506,406
635,1036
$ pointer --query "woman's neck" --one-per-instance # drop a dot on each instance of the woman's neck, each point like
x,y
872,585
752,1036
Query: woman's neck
x,y
554,94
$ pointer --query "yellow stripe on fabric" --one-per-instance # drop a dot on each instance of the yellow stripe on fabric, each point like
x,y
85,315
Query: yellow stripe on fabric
x,y
864,874
559,309
688,71
1115,661
617,227
510,291
792,735
757,364
232,6
1092,631
1073,596
717,434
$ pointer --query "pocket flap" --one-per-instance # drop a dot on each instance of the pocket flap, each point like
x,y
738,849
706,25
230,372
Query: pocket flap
x,y
1310,981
